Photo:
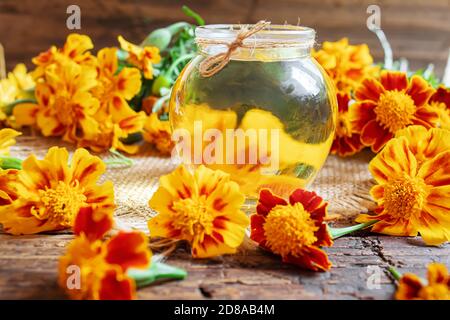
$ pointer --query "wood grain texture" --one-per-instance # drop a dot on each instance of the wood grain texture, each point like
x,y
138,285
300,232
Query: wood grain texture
x,y
418,30
28,267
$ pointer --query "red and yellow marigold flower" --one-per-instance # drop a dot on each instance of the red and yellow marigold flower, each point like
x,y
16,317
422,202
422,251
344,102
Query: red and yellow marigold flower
x,y
293,229
346,140
102,265
7,177
413,187
50,192
202,208
158,132
115,88
65,106
411,287
440,103
76,49
346,64
141,57
389,104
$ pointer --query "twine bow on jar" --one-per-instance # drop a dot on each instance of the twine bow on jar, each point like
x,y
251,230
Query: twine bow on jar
x,y
213,64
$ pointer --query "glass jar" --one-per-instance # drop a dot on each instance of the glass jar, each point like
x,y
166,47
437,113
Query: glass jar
x,y
267,117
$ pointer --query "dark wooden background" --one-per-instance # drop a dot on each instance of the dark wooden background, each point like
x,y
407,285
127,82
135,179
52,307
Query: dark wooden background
x,y
418,30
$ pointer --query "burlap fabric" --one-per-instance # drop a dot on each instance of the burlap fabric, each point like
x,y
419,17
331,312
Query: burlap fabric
x,y
343,182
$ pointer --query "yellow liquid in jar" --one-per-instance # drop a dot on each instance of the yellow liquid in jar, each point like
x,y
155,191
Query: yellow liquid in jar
x,y
258,98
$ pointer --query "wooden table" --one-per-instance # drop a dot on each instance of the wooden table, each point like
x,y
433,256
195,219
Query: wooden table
x,y
28,264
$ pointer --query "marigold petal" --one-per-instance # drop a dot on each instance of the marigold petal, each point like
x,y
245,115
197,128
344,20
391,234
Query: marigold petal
x,y
309,199
25,114
267,201
116,286
128,249
419,90
94,226
370,89
436,172
86,168
257,228
210,247
313,259
437,273
394,80
395,157
408,287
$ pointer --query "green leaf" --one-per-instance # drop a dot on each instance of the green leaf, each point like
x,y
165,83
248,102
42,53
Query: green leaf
x,y
10,163
190,13
339,232
156,271
159,38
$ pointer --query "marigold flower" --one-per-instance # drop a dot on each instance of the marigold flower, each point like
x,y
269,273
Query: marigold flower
x,y
115,88
412,197
102,265
158,133
411,287
7,139
440,103
346,140
50,192
425,144
76,49
141,57
389,104
65,107
346,64
295,230
202,208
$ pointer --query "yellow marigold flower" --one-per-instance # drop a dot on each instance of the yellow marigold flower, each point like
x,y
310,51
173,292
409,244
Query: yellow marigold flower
x,y
65,107
413,197
7,140
158,133
389,104
346,64
115,88
76,49
202,208
50,192
425,144
21,79
103,264
440,103
111,135
141,57
411,287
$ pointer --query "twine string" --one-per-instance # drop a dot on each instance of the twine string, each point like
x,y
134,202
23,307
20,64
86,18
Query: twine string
x,y
213,64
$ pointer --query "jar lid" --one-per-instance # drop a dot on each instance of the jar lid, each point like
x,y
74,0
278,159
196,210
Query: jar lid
x,y
271,35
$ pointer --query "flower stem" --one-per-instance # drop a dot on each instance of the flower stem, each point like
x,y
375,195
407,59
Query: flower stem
x,y
118,159
156,271
10,163
339,232
397,275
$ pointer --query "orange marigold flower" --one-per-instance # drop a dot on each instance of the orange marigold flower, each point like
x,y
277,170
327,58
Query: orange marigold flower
x,y
65,107
50,192
389,104
202,208
425,144
413,197
102,265
440,103
346,64
158,133
346,141
115,88
411,287
295,230
141,57
76,49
